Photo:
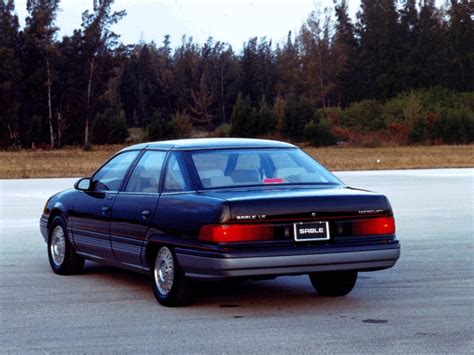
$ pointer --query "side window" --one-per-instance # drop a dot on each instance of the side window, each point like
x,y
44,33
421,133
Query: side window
x,y
146,174
110,176
174,179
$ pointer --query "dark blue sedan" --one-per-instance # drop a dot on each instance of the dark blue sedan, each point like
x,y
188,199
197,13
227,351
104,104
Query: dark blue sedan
x,y
213,209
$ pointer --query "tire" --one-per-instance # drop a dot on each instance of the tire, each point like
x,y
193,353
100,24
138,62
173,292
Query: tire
x,y
170,286
62,258
333,283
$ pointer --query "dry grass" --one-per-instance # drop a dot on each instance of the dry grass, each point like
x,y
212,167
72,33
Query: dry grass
x,y
72,162
67,162
461,156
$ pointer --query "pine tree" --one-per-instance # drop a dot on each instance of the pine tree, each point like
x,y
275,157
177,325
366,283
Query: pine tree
x,y
257,70
431,48
409,25
379,49
10,74
242,119
461,39
97,40
202,101
147,87
316,58
288,69
40,34
344,51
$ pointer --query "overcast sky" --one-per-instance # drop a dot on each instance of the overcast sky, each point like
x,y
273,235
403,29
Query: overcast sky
x,y
231,21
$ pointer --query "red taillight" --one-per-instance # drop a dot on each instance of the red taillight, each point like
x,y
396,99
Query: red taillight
x,y
381,225
226,233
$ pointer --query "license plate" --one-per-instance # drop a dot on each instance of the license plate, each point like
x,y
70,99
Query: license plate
x,y
311,231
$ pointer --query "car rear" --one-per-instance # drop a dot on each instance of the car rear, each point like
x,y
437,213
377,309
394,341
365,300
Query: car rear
x,y
285,214
282,234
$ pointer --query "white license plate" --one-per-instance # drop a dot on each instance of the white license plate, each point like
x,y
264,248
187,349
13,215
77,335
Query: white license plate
x,y
311,231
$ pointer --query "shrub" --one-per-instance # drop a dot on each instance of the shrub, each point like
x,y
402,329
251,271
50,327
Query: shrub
x,y
415,118
467,99
243,119
224,130
181,125
419,131
455,126
118,128
332,114
100,129
319,134
437,97
160,129
299,112
265,119
366,115
393,110
109,127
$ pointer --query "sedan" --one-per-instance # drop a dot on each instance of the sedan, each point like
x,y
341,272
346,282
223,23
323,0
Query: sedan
x,y
203,210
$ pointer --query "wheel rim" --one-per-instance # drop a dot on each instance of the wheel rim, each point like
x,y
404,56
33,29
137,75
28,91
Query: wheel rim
x,y
164,271
58,246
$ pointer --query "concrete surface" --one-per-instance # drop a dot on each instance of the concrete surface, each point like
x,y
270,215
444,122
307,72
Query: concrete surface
x,y
425,304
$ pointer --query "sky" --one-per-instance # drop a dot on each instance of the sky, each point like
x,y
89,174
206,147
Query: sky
x,y
230,21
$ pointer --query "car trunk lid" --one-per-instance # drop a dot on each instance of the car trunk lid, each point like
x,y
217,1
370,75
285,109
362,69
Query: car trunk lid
x,y
288,204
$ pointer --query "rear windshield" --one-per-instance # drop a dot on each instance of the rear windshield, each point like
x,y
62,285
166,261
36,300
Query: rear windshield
x,y
254,167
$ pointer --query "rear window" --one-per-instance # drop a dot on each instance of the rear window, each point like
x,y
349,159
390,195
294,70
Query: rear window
x,y
254,167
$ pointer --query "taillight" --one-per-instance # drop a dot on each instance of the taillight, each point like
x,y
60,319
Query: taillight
x,y
226,233
381,225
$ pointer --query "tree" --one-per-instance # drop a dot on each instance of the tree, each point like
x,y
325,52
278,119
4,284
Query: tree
x,y
409,24
299,111
160,128
10,74
97,40
344,52
71,98
187,73
279,112
379,49
461,39
265,119
257,70
315,46
202,100
431,48
288,69
40,32
148,90
118,128
243,118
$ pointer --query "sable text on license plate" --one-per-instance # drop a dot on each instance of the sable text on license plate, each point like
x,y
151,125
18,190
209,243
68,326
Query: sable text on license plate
x,y
311,231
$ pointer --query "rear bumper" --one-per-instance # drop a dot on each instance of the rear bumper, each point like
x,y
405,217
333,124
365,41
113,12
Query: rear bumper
x,y
206,267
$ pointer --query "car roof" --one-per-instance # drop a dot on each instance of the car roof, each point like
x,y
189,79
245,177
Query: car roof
x,y
211,143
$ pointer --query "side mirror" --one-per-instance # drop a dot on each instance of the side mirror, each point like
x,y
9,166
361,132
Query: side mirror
x,y
83,184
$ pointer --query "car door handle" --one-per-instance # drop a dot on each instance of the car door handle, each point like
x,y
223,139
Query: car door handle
x,y
146,214
106,210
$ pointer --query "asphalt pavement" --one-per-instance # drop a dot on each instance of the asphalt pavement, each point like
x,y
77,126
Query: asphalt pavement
x,y
425,304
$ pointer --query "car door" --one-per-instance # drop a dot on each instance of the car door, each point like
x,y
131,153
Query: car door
x,y
90,218
134,207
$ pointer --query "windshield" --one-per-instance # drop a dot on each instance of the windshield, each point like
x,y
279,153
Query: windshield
x,y
254,167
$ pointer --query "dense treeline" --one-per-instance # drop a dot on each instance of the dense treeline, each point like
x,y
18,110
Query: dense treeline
x,y
402,72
